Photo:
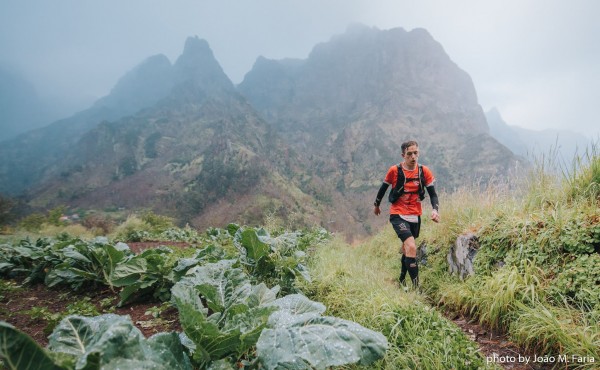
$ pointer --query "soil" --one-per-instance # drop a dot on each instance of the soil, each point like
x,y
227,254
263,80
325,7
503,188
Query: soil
x,y
15,304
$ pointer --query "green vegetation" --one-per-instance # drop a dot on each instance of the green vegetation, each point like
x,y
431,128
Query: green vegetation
x,y
113,223
82,306
537,270
240,290
7,287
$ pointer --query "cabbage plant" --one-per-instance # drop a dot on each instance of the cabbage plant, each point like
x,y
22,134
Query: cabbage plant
x,y
225,317
102,342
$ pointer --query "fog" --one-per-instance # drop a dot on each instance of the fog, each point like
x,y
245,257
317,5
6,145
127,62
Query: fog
x,y
537,61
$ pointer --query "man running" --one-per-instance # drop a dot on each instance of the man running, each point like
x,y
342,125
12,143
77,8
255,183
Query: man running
x,y
405,211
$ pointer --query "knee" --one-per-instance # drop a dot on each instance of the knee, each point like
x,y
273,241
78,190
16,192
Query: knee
x,y
409,247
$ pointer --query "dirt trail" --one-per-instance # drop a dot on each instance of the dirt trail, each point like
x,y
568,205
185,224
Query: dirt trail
x,y
497,348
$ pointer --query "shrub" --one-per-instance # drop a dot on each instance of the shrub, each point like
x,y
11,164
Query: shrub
x,y
133,229
33,222
98,223
55,214
157,223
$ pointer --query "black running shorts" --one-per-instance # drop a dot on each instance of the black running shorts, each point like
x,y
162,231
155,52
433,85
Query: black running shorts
x,y
405,229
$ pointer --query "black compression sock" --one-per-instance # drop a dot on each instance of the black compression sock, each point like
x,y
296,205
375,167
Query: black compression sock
x,y
402,270
413,270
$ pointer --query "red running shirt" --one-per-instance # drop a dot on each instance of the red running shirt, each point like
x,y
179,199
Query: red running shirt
x,y
409,203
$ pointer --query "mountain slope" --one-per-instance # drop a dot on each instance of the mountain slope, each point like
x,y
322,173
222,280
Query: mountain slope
x,y
535,143
30,157
307,140
201,154
356,98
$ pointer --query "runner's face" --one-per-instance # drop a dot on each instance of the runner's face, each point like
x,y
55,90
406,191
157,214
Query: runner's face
x,y
410,155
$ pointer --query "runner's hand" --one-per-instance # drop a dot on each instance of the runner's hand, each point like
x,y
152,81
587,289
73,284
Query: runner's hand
x,y
435,216
377,210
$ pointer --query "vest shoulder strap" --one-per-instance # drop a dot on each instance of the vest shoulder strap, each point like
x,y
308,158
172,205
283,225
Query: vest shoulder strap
x,y
400,179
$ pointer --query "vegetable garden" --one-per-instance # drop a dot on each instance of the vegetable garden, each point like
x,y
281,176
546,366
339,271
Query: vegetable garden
x,y
236,294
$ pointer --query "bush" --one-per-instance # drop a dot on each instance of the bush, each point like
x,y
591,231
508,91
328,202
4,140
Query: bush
x,y
132,229
55,214
157,223
33,222
99,224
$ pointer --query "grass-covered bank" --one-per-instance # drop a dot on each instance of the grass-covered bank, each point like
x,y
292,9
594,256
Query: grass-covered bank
x,y
358,283
537,270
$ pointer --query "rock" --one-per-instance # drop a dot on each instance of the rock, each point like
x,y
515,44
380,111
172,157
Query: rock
x,y
461,255
422,254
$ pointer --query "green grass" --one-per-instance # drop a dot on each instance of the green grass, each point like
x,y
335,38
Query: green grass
x,y
359,284
544,328
494,299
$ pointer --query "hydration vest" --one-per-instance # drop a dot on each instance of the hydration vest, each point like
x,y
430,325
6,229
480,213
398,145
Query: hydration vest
x,y
398,190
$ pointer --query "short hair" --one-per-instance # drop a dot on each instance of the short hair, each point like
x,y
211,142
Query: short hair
x,y
407,144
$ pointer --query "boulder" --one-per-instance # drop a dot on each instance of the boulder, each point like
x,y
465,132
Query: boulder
x,y
461,255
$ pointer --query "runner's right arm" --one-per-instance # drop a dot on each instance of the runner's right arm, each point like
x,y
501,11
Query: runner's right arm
x,y
381,193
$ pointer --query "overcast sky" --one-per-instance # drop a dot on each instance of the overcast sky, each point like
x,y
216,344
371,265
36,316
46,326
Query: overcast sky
x,y
537,61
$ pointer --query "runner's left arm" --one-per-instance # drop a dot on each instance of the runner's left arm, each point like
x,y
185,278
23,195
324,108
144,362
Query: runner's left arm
x,y
435,203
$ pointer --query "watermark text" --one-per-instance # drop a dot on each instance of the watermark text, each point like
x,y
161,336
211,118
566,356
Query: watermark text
x,y
537,359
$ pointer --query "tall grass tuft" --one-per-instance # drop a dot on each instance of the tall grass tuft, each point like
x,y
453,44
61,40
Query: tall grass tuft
x,y
457,296
557,331
469,208
501,294
541,184
494,299
582,178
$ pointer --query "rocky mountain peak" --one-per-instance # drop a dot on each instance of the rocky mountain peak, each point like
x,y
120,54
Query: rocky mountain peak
x,y
402,72
358,96
198,67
